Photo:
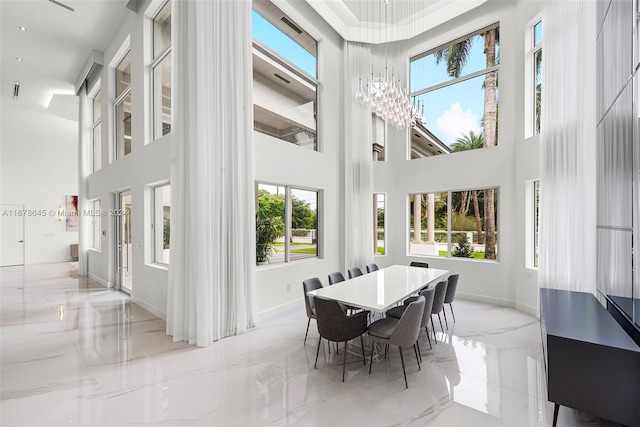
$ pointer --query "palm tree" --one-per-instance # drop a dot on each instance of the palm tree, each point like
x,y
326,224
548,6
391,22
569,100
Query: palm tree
x,y
456,57
471,141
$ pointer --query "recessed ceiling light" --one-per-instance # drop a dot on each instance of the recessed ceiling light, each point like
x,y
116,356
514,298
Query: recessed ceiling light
x,y
22,28
19,59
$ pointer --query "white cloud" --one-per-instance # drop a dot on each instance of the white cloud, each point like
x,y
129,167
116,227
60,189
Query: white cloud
x,y
454,122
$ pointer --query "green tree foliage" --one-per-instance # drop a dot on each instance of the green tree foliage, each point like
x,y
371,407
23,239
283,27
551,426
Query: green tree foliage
x,y
463,248
166,233
301,214
380,218
468,142
272,205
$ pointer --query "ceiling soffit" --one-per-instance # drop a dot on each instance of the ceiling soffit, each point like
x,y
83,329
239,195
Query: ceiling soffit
x,y
366,20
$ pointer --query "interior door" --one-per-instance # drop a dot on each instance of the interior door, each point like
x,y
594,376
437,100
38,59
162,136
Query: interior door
x,y
11,235
124,241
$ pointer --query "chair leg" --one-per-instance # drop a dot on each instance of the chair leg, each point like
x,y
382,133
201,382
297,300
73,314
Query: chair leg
x,y
307,333
451,307
318,352
403,370
426,329
373,344
364,359
440,320
344,361
419,352
417,358
433,327
445,318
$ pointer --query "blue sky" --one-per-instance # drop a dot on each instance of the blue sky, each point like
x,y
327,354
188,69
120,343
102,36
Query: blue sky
x,y
279,42
456,109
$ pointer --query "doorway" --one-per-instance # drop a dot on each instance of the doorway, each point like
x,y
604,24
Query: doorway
x,y
11,235
124,242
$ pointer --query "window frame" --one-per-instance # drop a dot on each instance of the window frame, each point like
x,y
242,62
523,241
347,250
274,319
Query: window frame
x,y
532,224
448,83
288,208
450,243
96,221
260,48
531,50
97,90
120,100
376,201
153,225
157,60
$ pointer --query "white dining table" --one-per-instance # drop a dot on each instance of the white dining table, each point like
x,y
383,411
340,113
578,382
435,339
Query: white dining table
x,y
382,289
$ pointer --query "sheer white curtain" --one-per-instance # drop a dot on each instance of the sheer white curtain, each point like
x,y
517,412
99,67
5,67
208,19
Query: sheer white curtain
x,y
358,154
567,151
212,209
84,156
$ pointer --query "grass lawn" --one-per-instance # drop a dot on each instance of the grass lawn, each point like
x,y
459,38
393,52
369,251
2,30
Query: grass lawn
x,y
380,250
304,251
476,255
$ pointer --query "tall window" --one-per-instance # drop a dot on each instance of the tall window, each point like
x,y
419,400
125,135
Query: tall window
x,y
286,224
161,69
96,132
536,54
284,77
459,224
160,223
456,87
122,107
379,237
97,226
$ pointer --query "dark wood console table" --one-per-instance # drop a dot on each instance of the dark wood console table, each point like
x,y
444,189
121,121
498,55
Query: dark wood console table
x,y
592,364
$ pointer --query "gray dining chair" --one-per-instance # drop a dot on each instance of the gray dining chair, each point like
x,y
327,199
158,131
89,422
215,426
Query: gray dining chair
x,y
354,272
438,303
334,325
372,267
335,278
308,286
428,294
399,332
451,294
419,264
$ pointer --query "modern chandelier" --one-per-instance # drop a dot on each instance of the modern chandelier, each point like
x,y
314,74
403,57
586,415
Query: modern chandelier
x,y
387,99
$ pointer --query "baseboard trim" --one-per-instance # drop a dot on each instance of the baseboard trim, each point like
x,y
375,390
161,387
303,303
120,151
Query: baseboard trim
x,y
99,280
274,311
529,309
150,308
487,300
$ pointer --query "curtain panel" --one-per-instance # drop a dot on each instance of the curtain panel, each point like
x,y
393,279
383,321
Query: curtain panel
x,y
358,158
567,148
212,206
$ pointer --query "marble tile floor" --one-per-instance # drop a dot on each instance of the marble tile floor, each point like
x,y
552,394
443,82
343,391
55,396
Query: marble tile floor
x,y
75,353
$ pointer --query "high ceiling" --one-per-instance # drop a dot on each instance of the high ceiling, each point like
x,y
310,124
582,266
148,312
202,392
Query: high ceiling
x,y
55,46
57,41
379,21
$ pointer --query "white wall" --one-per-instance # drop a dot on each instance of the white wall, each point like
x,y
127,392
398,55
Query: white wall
x,y
279,286
38,168
507,166
146,164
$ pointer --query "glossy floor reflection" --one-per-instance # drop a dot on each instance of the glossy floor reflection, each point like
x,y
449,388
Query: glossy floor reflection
x,y
74,353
